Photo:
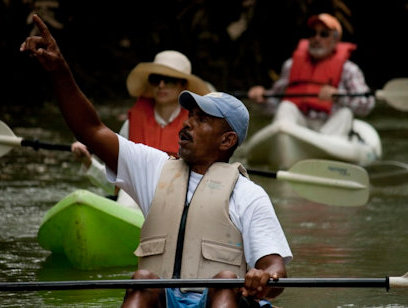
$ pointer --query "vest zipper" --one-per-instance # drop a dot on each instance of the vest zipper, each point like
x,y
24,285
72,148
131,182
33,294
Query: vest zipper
x,y
182,231
180,243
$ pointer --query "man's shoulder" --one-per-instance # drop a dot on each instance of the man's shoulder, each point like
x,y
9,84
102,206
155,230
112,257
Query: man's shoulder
x,y
248,195
245,185
287,63
351,68
351,64
131,148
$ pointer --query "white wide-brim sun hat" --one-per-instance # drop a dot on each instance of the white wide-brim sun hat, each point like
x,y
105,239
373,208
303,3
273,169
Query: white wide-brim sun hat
x,y
169,63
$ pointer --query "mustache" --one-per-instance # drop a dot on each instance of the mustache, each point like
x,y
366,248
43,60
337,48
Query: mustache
x,y
184,134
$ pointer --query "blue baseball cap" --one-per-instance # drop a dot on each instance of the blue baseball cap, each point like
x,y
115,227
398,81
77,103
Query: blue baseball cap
x,y
220,105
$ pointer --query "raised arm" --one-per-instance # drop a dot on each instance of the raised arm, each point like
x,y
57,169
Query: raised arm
x,y
78,111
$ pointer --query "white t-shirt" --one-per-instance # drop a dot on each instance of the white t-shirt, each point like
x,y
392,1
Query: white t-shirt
x,y
250,209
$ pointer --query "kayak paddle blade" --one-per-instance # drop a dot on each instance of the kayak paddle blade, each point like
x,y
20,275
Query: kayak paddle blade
x,y
7,139
329,182
395,93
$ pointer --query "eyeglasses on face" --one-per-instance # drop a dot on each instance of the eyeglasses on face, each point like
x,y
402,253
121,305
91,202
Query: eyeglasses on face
x,y
155,79
321,33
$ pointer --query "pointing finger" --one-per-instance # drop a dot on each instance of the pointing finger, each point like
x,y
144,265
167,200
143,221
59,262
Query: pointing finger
x,y
45,33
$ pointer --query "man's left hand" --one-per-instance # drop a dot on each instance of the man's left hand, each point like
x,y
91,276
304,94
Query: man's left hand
x,y
256,281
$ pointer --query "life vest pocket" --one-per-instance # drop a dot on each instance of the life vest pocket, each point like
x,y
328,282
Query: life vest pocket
x,y
222,252
151,246
219,256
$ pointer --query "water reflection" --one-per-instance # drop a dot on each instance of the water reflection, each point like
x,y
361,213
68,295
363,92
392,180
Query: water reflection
x,y
327,241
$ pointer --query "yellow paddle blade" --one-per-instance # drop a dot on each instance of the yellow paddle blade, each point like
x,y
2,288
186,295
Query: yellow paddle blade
x,y
395,93
328,182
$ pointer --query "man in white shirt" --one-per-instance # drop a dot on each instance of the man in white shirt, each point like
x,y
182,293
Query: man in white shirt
x,y
249,232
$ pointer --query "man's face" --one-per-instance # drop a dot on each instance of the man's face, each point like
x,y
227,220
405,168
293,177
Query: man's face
x,y
200,137
166,89
322,41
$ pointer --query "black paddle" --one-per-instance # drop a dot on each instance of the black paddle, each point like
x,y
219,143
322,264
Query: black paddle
x,y
8,141
323,181
394,93
387,283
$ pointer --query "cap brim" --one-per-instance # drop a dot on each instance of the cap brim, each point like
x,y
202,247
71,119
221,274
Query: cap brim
x,y
329,22
314,19
188,100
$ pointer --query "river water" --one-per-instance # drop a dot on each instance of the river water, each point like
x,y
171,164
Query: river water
x,y
370,241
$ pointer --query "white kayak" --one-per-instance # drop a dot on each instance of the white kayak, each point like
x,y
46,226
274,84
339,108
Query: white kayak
x,y
279,145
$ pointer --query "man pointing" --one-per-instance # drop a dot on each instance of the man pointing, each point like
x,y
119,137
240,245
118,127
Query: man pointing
x,y
204,217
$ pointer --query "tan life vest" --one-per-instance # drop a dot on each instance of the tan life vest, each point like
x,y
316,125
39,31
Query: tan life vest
x,y
212,243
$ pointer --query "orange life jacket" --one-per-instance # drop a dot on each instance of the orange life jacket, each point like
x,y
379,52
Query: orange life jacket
x,y
308,77
143,127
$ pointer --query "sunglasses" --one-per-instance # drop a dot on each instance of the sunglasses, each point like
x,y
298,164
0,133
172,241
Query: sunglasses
x,y
155,79
322,33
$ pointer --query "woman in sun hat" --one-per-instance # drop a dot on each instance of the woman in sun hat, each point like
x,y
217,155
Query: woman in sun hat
x,y
156,117
168,63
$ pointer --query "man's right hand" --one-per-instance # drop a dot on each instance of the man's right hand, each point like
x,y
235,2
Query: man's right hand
x,y
44,47
256,94
327,92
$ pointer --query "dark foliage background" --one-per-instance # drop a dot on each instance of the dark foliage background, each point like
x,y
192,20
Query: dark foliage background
x,y
103,40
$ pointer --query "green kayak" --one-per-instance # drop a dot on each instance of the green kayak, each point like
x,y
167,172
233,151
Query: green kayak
x,y
91,231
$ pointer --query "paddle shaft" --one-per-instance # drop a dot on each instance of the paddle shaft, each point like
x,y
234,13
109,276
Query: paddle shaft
x,y
281,175
36,144
13,141
242,94
304,179
195,283
282,95
394,94
268,174
307,179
